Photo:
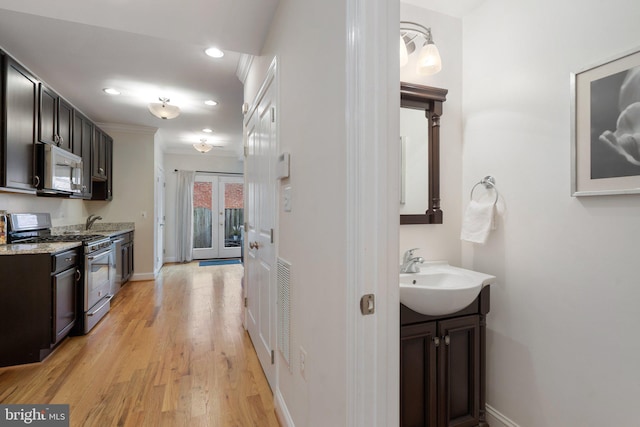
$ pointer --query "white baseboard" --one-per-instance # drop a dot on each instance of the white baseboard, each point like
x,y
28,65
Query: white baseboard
x,y
282,413
496,419
137,277
170,259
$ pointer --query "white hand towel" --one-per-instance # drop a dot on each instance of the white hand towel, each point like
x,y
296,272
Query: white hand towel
x,y
478,221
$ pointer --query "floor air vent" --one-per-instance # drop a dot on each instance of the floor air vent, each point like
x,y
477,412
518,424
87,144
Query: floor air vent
x,y
284,308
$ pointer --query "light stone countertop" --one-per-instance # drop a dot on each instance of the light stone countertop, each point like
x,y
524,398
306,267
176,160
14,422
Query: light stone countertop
x,y
104,229
37,248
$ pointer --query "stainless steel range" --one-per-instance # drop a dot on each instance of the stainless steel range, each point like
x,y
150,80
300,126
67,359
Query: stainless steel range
x,y
99,263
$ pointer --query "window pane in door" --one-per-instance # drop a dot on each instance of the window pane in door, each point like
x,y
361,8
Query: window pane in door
x,y
233,213
202,215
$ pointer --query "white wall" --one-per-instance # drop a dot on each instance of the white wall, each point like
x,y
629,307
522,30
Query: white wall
x,y
63,211
441,242
562,341
133,191
312,236
196,161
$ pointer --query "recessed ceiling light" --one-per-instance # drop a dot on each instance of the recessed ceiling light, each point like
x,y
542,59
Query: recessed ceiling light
x,y
214,52
207,130
211,102
111,91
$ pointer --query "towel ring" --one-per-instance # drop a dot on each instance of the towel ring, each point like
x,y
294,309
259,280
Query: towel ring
x,y
488,182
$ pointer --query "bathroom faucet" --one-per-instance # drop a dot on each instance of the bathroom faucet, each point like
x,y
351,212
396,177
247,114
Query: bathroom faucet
x,y
410,263
90,220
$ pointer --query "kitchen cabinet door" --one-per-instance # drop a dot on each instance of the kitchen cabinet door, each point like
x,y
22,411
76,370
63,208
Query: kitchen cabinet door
x,y
99,156
109,166
65,124
64,303
82,141
20,104
55,119
48,116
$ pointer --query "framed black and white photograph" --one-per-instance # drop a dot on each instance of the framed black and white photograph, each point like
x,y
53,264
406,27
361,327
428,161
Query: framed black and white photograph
x,y
605,131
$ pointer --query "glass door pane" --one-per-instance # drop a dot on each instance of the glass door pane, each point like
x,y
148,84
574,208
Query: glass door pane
x,y
202,215
233,213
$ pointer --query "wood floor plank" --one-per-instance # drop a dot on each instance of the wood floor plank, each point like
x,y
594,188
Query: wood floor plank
x,y
172,352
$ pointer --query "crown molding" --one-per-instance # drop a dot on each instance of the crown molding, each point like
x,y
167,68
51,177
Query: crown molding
x,y
120,127
244,65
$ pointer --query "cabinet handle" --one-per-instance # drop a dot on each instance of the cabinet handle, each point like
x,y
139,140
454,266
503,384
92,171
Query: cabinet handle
x,y
436,341
56,139
446,340
60,139
78,275
36,180
68,259
101,170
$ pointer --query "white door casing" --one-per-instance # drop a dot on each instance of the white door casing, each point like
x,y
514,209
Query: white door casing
x,y
160,219
261,216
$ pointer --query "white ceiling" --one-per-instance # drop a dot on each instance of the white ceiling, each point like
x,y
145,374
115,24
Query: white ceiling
x,y
457,8
145,49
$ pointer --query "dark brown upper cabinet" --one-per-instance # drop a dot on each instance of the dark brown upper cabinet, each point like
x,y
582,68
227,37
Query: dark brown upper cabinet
x,y
102,166
430,100
55,123
19,94
82,140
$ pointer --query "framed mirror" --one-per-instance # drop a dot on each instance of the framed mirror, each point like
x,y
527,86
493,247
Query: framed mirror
x,y
420,112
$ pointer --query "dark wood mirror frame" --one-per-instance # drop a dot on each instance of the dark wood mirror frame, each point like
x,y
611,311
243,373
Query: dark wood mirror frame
x,y
430,100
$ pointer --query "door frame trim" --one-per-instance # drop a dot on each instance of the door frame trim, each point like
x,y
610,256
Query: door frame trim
x,y
372,120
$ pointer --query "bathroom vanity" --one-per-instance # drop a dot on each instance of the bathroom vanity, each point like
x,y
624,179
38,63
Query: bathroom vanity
x,y
442,366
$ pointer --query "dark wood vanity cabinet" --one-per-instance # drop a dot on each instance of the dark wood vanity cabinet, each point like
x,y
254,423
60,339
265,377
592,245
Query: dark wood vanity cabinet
x,y
55,119
442,374
19,95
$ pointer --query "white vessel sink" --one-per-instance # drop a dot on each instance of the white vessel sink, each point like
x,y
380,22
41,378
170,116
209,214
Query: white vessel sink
x,y
440,289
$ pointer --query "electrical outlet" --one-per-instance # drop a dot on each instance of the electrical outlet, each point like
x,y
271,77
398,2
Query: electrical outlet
x,y
303,363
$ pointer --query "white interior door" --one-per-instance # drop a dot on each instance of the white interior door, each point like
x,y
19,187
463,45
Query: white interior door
x,y
217,216
260,253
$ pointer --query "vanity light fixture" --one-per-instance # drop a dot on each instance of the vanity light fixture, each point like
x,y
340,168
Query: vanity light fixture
x,y
429,61
214,52
111,91
164,110
203,147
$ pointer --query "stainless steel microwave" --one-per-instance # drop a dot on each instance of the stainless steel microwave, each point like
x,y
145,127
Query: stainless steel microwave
x,y
59,171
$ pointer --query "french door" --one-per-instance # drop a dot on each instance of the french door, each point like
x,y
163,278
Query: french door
x,y
218,212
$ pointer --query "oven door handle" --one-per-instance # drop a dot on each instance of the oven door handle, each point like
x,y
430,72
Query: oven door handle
x,y
108,298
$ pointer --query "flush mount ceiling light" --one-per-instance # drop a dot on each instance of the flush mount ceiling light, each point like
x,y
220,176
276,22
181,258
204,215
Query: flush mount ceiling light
x,y
111,91
214,52
413,35
163,110
207,130
211,102
203,147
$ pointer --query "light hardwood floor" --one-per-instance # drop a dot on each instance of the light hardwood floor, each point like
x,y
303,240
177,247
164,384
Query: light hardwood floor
x,y
171,352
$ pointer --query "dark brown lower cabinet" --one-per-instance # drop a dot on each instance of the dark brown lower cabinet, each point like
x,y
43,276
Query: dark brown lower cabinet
x,y
442,378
